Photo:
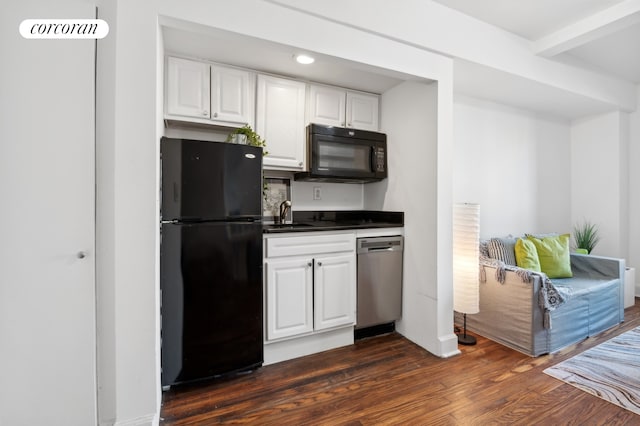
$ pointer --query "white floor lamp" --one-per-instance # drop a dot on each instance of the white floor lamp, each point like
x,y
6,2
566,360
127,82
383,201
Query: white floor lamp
x,y
466,234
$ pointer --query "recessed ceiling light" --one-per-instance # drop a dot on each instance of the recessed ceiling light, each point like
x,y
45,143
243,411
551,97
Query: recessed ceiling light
x,y
304,59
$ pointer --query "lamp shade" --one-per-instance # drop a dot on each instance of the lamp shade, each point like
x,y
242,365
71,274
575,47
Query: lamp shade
x,y
466,234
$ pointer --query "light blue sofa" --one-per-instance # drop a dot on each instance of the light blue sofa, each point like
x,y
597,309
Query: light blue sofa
x,y
532,314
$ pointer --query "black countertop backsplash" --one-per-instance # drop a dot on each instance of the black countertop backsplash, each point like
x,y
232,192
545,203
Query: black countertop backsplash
x,y
305,221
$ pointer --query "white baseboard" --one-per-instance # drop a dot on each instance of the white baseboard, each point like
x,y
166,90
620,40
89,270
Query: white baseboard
x,y
307,345
146,420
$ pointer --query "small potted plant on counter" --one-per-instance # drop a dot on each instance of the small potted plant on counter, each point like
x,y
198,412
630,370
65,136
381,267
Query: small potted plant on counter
x,y
586,237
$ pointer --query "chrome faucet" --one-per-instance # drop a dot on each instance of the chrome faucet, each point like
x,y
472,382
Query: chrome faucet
x,y
284,209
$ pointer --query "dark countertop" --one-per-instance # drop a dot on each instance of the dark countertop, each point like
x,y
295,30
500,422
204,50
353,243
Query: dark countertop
x,y
307,221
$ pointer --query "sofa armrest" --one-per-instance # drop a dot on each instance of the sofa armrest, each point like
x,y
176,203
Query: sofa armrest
x,y
597,266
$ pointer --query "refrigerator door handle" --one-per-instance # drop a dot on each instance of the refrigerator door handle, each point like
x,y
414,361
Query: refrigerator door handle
x,y
176,195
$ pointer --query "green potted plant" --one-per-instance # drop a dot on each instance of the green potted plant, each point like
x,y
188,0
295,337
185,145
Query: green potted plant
x,y
246,135
586,237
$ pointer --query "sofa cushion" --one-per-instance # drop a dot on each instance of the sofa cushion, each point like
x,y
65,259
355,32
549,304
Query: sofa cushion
x,y
503,249
527,255
553,252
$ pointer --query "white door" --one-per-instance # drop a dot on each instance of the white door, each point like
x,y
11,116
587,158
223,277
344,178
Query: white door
x,y
188,88
334,291
47,223
289,297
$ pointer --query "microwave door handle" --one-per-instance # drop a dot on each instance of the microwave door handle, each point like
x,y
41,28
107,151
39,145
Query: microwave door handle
x,y
372,159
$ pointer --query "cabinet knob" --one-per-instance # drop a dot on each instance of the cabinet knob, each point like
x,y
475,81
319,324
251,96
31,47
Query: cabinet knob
x,y
300,164
215,114
319,263
205,112
81,255
309,264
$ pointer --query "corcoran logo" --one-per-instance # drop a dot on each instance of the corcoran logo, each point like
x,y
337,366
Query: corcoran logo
x,y
64,28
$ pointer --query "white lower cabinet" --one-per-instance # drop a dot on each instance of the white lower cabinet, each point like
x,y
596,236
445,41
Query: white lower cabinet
x,y
289,297
334,290
310,298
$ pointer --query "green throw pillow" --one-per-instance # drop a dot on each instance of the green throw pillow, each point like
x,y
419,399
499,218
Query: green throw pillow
x,y
553,253
527,255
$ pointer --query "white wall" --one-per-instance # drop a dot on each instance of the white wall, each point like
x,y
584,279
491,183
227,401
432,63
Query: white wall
x,y
335,196
410,119
599,178
633,259
515,164
128,123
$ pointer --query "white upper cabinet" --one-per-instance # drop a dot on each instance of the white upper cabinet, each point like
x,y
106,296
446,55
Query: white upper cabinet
x,y
280,121
232,95
209,94
327,105
188,88
362,111
334,106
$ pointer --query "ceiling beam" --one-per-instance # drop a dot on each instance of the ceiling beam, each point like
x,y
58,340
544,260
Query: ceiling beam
x,y
601,24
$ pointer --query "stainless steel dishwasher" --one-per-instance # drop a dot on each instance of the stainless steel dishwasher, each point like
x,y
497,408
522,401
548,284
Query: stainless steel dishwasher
x,y
379,280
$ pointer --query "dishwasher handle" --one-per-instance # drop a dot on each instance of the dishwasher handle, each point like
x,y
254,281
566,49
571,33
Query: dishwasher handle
x,y
379,244
380,249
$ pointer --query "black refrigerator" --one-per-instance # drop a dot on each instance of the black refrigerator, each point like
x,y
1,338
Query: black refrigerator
x,y
210,259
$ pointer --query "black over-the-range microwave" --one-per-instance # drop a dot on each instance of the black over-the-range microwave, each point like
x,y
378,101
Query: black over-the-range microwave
x,y
337,154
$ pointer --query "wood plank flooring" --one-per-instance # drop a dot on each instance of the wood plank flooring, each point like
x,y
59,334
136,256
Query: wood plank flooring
x,y
388,380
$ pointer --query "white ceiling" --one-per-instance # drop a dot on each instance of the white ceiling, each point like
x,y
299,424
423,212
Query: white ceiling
x,y
617,54
615,49
531,19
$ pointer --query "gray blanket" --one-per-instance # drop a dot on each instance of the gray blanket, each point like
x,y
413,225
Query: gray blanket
x,y
549,297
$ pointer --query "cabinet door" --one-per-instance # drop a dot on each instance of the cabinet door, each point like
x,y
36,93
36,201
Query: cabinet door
x,y
289,297
188,88
280,121
334,291
232,95
362,111
327,105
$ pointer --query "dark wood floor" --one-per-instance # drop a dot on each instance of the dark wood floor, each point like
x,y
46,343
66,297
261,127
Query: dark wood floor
x,y
389,380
